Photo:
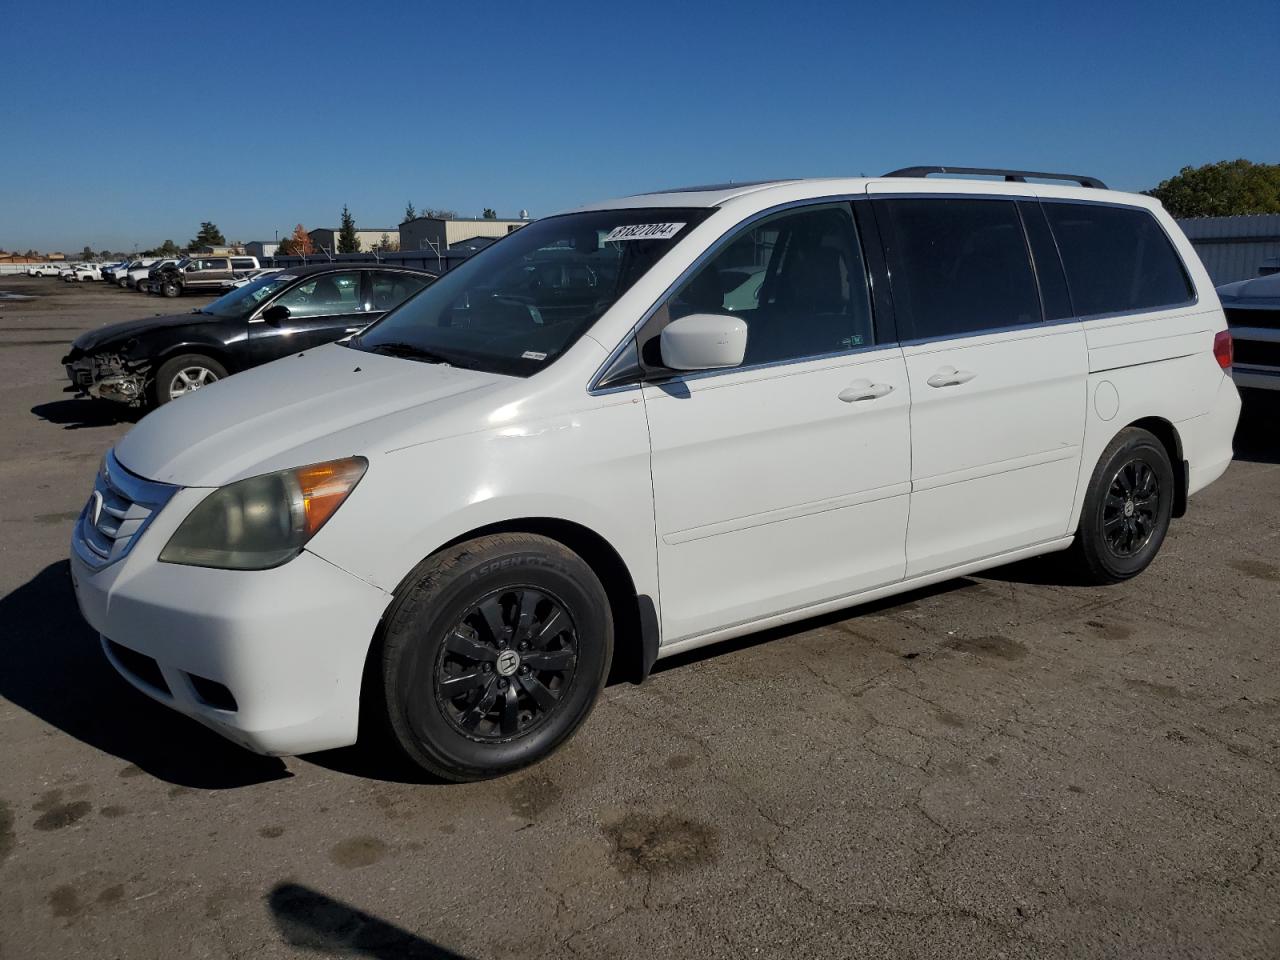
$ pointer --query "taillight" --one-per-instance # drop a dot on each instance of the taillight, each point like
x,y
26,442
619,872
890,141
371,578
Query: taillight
x,y
1223,351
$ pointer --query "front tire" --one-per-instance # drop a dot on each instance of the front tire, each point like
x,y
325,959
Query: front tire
x,y
184,374
493,655
1127,509
170,289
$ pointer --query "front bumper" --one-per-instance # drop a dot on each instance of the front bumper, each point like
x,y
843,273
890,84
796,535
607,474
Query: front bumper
x,y
270,659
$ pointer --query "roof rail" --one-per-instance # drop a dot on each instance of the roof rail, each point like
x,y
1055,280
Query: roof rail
x,y
1010,176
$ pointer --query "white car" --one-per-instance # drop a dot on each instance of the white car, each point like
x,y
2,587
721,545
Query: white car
x,y
113,272
43,270
137,276
126,275
453,522
88,271
1253,313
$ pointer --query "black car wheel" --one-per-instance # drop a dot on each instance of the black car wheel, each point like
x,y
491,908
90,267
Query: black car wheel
x,y
1127,509
185,374
170,288
493,655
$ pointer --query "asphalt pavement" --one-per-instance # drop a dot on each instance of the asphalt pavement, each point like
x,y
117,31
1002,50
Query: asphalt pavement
x,y
1001,766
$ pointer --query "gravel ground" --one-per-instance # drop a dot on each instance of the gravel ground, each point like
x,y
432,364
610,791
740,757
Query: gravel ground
x,y
1001,766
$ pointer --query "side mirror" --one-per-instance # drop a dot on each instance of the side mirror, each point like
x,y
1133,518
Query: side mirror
x,y
277,313
704,341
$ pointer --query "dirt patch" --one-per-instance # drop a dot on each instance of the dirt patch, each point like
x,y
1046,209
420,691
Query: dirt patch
x,y
1258,569
62,815
995,646
1109,631
50,519
357,852
657,844
533,796
6,831
64,902
1162,691
271,833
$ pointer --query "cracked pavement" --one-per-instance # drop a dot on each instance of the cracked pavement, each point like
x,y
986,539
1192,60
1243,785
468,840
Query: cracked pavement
x,y
1001,766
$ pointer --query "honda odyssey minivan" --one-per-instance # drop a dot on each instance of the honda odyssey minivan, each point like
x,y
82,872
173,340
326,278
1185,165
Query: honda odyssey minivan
x,y
646,425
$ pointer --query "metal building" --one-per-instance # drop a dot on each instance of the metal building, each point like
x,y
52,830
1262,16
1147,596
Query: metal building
x,y
1235,248
432,233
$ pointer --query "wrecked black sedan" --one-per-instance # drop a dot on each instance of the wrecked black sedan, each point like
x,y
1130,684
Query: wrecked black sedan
x,y
152,361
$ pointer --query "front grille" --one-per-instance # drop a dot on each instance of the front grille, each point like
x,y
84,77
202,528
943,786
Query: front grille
x,y
1257,353
1269,318
139,666
117,513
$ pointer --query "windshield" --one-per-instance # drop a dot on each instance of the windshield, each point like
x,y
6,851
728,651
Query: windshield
x,y
515,306
242,301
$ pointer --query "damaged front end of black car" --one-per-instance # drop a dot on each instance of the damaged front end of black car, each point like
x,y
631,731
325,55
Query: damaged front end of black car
x,y
109,374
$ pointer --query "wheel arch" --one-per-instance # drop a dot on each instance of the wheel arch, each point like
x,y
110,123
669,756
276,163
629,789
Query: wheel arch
x,y
1167,434
214,351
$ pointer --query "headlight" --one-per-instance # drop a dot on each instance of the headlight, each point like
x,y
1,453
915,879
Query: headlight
x,y
263,521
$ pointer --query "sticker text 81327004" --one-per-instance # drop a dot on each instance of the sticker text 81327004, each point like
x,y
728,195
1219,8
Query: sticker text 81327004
x,y
644,231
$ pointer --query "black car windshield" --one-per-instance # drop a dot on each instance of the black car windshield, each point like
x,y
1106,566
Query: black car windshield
x,y
515,306
242,301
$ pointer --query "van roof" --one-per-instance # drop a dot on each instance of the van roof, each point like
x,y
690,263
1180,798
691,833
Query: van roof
x,y
766,193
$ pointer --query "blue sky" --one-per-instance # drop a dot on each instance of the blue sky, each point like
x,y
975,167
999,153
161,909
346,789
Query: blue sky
x,y
124,124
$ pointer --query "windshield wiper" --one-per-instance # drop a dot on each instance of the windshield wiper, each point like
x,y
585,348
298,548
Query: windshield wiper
x,y
398,348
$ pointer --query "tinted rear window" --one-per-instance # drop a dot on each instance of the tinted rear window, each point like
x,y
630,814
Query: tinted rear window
x,y
1118,259
958,266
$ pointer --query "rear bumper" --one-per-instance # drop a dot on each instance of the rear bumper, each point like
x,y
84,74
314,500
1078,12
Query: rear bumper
x,y
1206,440
1259,378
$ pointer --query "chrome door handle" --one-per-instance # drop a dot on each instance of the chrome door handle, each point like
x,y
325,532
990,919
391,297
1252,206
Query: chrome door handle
x,y
950,377
864,390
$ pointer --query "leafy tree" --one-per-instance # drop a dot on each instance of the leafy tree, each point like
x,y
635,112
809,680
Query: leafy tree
x,y
490,213
209,236
298,244
348,242
386,244
409,213
105,255
87,253
1223,189
168,249
439,214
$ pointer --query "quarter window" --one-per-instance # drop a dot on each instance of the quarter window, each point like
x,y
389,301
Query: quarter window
x,y
959,266
392,289
796,278
1118,259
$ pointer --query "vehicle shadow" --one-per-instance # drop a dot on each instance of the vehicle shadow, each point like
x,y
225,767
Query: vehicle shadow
x,y
79,414
309,919
54,669
852,612
1257,437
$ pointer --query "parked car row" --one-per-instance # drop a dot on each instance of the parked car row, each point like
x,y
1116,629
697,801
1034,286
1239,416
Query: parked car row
x,y
169,276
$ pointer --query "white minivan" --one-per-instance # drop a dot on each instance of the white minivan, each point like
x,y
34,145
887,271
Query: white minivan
x,y
647,425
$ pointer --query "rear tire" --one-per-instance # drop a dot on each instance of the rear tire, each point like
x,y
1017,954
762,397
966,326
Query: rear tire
x,y
493,655
1127,509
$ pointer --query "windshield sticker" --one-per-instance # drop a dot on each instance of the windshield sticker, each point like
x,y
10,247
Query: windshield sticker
x,y
533,355
285,276
644,231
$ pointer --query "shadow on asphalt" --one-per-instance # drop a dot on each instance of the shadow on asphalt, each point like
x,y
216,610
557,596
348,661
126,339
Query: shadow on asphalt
x,y
313,921
54,668
726,647
1258,435
79,414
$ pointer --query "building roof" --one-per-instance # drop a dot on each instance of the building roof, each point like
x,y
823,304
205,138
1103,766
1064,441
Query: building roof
x,y
469,220
358,229
1264,226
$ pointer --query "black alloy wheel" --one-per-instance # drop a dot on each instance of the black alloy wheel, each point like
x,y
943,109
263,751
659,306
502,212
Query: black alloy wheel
x,y
504,666
492,654
1127,509
1131,508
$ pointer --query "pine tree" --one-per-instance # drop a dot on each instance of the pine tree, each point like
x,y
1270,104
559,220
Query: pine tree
x,y
409,213
209,236
348,242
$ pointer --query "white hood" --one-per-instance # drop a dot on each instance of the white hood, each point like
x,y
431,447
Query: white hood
x,y
258,420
